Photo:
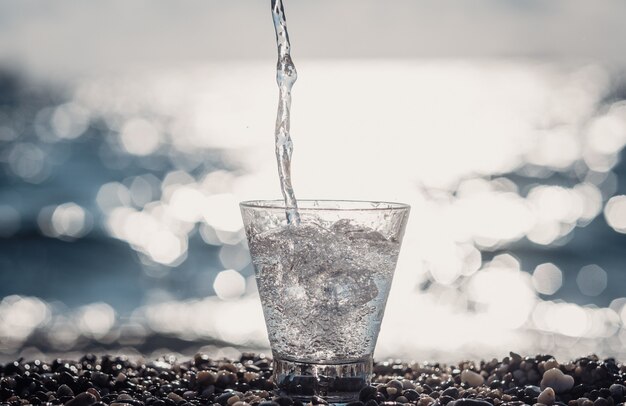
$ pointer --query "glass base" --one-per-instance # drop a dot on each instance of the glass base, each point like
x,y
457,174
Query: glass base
x,y
335,382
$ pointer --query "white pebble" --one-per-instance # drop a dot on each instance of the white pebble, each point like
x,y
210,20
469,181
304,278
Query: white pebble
x,y
472,378
557,380
547,396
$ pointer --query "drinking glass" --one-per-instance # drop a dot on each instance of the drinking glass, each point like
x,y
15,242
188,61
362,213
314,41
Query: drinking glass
x,y
323,284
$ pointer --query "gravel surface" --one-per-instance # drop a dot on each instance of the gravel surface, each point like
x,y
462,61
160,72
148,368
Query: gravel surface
x,y
119,381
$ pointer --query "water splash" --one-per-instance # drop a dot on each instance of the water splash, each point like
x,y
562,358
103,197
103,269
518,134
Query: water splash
x,y
286,76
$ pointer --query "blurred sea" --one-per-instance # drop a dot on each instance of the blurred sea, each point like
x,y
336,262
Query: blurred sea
x,y
119,224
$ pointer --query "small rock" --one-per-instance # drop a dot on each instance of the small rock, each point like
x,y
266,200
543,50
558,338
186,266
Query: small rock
x,y
232,400
601,402
64,390
208,391
451,391
268,403
205,378
549,364
174,396
357,403
121,377
189,394
124,396
469,402
395,384
100,379
617,391
532,391
547,396
240,403
367,393
406,384
94,392
472,378
425,401
284,401
401,399
391,391
83,399
411,395
557,380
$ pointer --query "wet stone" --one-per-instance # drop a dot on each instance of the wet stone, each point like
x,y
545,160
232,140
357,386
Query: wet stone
x,y
64,390
367,393
284,401
82,399
452,392
469,402
412,395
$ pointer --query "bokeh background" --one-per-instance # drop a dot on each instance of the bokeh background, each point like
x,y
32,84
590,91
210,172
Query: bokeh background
x,y
129,132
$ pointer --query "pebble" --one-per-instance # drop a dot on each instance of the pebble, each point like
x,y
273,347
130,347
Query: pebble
x,y
205,378
411,395
391,391
472,378
232,400
174,396
367,393
95,393
547,396
395,384
617,390
469,402
425,401
557,380
64,390
83,399
549,364
118,381
452,391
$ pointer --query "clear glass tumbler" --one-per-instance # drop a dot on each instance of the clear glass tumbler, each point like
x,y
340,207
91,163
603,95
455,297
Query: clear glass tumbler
x,y
324,284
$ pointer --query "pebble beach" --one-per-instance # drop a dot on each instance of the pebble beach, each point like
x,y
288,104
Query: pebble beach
x,y
514,380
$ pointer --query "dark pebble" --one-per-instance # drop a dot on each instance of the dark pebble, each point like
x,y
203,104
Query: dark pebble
x,y
371,402
395,384
64,390
412,395
469,402
268,403
357,403
617,391
444,400
223,398
82,399
452,392
367,393
284,401
601,402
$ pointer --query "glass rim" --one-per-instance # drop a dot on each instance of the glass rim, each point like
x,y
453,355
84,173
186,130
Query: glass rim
x,y
351,205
